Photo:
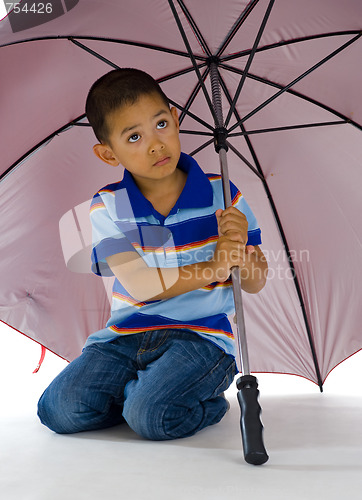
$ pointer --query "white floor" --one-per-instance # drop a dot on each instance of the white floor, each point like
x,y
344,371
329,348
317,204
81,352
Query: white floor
x,y
314,441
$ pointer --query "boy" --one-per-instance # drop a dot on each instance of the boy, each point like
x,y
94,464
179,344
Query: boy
x,y
166,355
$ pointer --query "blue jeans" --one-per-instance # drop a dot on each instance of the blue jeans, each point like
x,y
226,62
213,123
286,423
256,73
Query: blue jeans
x,y
165,384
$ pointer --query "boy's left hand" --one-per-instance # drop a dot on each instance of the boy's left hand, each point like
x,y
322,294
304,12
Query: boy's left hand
x,y
233,224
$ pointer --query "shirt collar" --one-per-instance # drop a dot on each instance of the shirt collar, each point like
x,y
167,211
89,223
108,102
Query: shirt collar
x,y
197,191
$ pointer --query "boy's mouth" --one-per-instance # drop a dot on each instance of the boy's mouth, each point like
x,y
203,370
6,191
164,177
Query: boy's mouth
x,y
161,161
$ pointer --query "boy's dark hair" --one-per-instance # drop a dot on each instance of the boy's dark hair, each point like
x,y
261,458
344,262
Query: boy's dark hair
x,y
113,90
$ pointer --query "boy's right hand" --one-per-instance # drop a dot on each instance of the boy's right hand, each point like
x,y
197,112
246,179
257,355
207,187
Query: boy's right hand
x,y
229,252
230,248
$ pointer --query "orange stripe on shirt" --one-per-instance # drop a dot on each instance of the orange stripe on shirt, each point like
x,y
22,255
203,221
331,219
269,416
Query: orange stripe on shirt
x,y
200,329
97,206
236,198
129,300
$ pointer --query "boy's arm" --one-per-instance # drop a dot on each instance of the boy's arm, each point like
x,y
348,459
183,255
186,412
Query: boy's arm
x,y
254,271
150,283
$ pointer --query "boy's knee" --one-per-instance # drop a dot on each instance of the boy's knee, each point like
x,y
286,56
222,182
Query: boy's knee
x,y
44,413
161,421
55,419
145,417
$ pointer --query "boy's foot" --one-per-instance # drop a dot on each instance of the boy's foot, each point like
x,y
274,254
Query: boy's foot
x,y
223,396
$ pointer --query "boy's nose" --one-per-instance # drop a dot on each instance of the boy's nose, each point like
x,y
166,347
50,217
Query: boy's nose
x,y
156,146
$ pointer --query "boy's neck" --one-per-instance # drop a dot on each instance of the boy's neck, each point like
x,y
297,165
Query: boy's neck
x,y
164,193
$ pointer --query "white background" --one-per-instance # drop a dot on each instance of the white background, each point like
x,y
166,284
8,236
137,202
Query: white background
x,y
314,442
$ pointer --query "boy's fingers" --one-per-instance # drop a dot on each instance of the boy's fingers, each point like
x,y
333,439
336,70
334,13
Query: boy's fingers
x,y
250,249
229,221
234,236
218,219
232,210
230,213
233,224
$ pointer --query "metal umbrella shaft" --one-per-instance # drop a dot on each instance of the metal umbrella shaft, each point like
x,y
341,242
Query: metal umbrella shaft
x,y
250,423
242,356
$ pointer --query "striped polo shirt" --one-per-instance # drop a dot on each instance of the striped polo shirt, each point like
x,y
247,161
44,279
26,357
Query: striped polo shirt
x,y
124,220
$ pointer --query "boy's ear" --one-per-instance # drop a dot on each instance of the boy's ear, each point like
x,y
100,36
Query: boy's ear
x,y
175,117
105,153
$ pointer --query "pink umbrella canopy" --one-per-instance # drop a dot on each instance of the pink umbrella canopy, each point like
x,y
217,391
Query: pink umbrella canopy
x,y
295,152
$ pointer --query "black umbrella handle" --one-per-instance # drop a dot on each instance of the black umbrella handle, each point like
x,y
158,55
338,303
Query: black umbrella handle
x,y
250,422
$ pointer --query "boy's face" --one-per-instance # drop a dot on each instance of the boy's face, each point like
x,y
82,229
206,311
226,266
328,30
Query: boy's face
x,y
144,138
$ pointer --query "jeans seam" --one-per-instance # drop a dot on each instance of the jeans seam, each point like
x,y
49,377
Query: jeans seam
x,y
228,374
146,337
165,336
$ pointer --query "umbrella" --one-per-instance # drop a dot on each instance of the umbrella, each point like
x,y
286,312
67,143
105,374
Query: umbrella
x,y
288,78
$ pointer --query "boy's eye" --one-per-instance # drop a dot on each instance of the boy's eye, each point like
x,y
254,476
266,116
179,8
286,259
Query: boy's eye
x,y
162,124
134,138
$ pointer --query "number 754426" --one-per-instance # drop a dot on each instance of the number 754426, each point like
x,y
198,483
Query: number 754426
x,y
35,7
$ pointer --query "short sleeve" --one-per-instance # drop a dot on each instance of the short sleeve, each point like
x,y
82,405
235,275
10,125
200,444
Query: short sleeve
x,y
239,202
107,237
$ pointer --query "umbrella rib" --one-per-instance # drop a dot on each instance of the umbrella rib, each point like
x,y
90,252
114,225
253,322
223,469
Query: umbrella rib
x,y
93,53
195,28
249,61
169,77
200,148
283,43
229,98
34,149
243,159
293,271
294,93
239,22
289,127
110,63
182,131
195,117
296,80
195,132
282,235
73,123
178,73
111,40
179,52
192,57
193,96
